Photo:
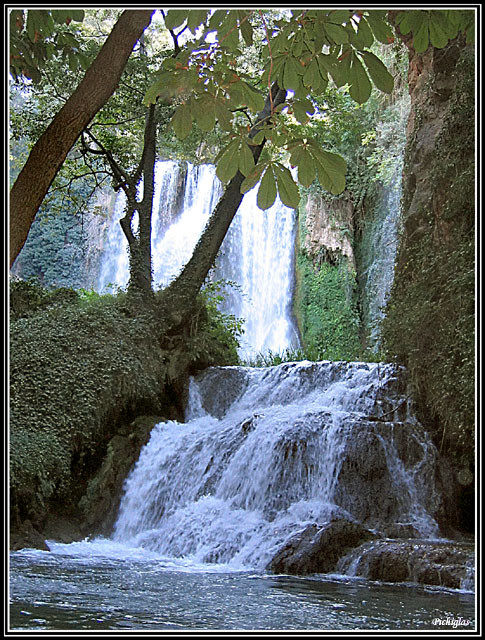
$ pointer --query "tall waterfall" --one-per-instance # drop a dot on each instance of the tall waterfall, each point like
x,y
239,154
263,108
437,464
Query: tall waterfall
x,y
257,253
266,452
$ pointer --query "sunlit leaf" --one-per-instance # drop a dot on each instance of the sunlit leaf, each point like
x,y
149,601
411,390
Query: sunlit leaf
x,y
267,189
287,188
378,72
182,121
360,86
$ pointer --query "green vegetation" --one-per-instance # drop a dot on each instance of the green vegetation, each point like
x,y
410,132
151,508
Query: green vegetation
x,y
430,320
81,364
326,310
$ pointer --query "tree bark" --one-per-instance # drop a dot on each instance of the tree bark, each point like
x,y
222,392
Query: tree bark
x,y
50,151
179,296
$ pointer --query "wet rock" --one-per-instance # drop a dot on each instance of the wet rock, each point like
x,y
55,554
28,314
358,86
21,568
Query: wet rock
x,y
219,387
98,507
373,480
445,564
317,549
27,537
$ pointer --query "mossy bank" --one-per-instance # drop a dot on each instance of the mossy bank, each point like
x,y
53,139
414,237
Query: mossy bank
x,y
82,369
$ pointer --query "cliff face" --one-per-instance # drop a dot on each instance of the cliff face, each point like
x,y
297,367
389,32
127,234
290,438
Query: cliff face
x,y
430,315
325,293
328,229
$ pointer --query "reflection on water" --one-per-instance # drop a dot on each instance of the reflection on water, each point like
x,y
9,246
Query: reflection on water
x,y
58,591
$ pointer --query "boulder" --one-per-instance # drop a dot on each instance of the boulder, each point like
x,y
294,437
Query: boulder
x,y
317,548
444,564
27,537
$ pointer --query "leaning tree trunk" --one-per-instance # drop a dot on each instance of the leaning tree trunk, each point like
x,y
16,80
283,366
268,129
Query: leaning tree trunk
x,y
50,151
178,298
139,245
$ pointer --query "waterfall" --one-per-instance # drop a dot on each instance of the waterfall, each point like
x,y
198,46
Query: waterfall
x,y
266,452
256,255
378,254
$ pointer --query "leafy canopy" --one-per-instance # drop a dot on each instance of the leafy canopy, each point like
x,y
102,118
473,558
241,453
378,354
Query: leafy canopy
x,y
302,52
39,35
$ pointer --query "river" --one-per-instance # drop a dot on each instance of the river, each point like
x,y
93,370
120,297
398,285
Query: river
x,y
101,585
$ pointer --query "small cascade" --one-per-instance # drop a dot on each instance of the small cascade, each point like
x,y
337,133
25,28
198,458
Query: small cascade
x,y
256,255
379,253
267,452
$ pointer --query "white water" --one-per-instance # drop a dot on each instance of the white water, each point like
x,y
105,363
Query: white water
x,y
263,454
257,253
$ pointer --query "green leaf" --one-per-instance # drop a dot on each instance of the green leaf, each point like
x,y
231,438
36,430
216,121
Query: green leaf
x,y
61,15
336,33
362,38
204,112
73,61
409,20
228,163
287,188
175,17
246,31
76,14
246,159
182,121
360,86
306,170
252,178
32,24
380,28
331,169
311,77
224,116
302,109
301,157
437,34
340,70
267,189
339,16
421,36
378,72
195,18
291,79
228,33
252,98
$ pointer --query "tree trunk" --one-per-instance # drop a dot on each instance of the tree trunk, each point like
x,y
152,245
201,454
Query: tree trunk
x,y
178,297
50,151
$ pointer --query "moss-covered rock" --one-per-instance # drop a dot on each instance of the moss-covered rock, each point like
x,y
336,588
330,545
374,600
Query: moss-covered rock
x,y
430,319
80,371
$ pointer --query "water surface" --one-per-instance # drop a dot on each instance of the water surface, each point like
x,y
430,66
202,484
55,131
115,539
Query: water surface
x,y
106,586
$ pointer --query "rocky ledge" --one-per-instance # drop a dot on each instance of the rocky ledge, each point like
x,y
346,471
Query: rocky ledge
x,y
346,547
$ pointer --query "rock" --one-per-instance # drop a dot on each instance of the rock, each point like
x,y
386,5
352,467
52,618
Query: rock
x,y
445,564
317,549
219,387
27,536
99,504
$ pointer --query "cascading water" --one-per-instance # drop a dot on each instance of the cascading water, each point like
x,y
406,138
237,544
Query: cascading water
x,y
257,253
265,452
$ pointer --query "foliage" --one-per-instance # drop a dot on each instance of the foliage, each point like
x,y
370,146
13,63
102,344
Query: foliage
x,y
435,28
430,318
326,310
54,252
81,365
40,35
222,331
304,50
28,297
